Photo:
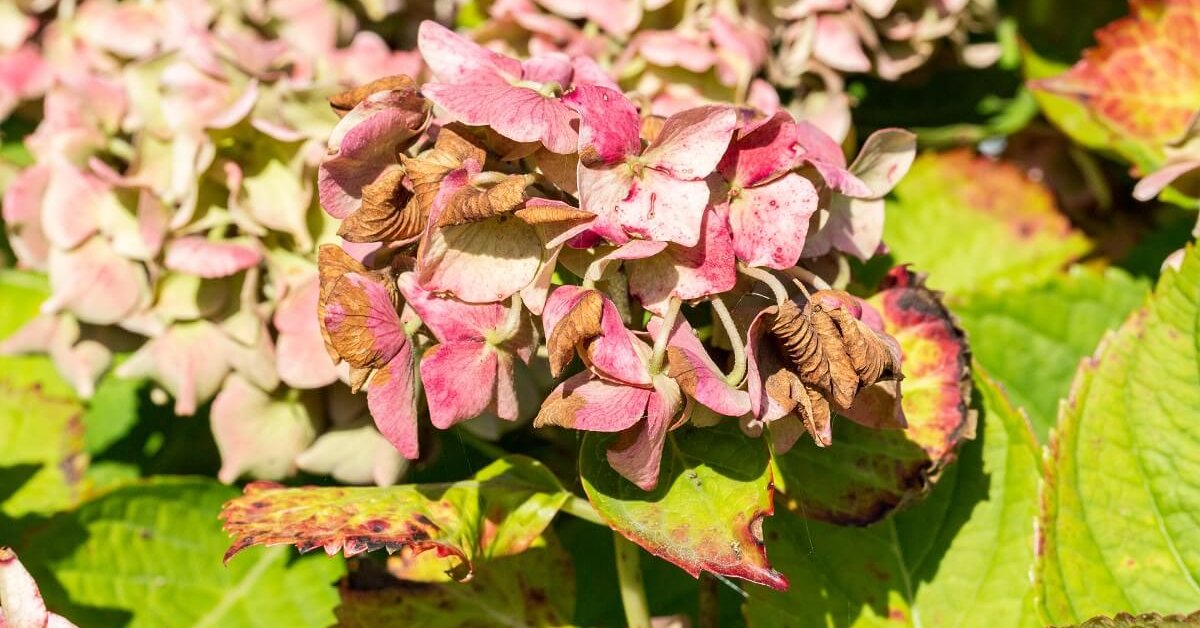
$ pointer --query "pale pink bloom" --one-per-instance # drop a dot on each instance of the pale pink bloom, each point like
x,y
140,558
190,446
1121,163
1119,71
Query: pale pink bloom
x,y
658,193
197,255
368,58
21,604
80,360
96,284
618,17
259,434
24,75
471,369
683,272
300,350
519,100
707,383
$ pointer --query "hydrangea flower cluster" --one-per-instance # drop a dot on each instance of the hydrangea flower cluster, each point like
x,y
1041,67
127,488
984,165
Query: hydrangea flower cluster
x,y
674,56
507,216
171,203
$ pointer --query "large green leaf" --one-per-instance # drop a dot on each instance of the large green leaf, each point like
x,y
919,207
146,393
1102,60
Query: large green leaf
x,y
1120,527
21,294
706,513
867,473
150,555
533,588
970,221
960,558
1031,337
500,512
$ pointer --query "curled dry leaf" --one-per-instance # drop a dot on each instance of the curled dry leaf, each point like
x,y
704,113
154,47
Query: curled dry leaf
x,y
474,203
343,102
332,263
581,324
387,212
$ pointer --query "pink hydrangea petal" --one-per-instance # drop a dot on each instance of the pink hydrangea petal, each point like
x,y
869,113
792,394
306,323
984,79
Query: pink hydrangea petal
x,y
763,96
711,389
686,272
655,206
855,226
762,153
95,284
1155,182
482,262
257,433
609,128
588,72
518,113
506,405
22,211
637,453
761,362
769,223
183,361
71,206
597,405
674,48
885,157
448,318
392,400
838,45
23,605
613,354
454,58
460,381
553,67
380,319
692,142
301,359
197,255
534,295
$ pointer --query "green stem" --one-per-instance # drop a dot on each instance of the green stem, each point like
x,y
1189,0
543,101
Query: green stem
x,y
709,607
581,508
664,332
807,276
633,591
765,276
734,378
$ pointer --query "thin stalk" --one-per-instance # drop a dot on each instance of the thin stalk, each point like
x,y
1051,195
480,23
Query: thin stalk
x,y
738,371
664,332
629,575
491,450
581,508
807,276
765,276
709,607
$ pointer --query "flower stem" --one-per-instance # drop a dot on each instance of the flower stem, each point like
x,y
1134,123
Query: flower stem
x,y
664,332
734,378
709,608
629,574
799,274
581,508
491,450
765,276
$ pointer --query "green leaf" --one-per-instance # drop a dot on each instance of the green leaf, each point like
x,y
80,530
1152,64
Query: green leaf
x,y
1120,527
533,588
867,473
22,293
706,513
1067,113
1031,337
149,555
971,222
960,558
502,511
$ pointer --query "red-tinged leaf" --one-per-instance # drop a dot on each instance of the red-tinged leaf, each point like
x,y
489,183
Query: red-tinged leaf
x,y
500,512
1141,80
706,512
867,473
534,588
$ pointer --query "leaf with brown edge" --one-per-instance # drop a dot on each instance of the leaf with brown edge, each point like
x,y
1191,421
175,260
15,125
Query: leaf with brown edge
x,y
474,204
387,213
500,512
705,514
343,102
870,472
1143,620
581,324
1140,80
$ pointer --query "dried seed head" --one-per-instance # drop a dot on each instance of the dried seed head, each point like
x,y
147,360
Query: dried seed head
x,y
797,340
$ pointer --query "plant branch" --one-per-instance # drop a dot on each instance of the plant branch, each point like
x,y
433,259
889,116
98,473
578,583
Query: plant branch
x,y
664,332
805,275
765,276
736,374
709,607
581,508
629,574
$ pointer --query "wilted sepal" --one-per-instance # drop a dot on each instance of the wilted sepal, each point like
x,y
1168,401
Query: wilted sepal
x,y
361,318
21,604
587,321
500,512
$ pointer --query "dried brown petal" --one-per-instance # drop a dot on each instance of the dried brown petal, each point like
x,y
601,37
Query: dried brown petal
x,y
579,325
867,351
387,215
361,320
843,378
457,140
651,127
549,214
814,411
472,204
358,378
508,150
798,341
426,172
342,103
332,263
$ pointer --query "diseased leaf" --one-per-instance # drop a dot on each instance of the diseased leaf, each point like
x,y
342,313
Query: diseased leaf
x,y
144,556
962,557
499,512
1120,522
706,512
970,221
533,588
1140,81
1031,337
866,473
1144,620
